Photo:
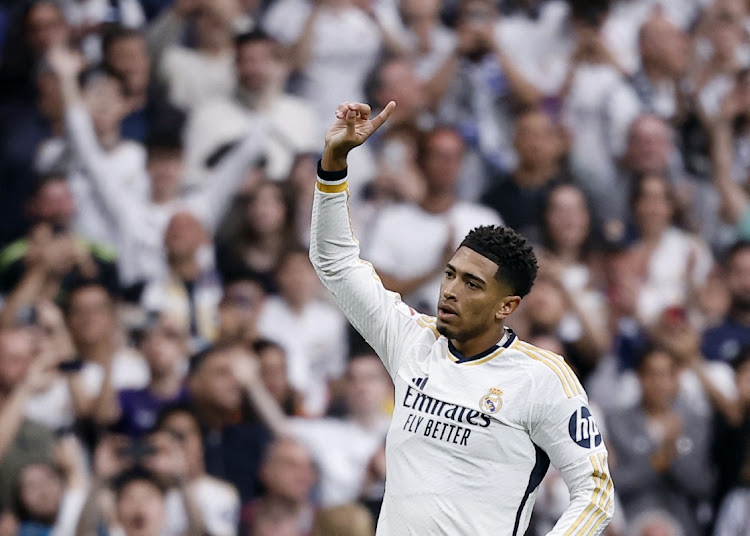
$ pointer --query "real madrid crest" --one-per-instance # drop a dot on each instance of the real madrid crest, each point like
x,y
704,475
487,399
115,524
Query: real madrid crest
x,y
492,401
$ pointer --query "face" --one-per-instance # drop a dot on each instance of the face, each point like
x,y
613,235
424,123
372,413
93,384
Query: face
x,y
297,279
367,385
215,385
653,208
537,140
239,310
567,217
140,509
164,348
472,302
91,316
16,354
212,31
54,204
41,490
442,160
288,472
667,45
400,83
255,65
106,103
165,171
725,28
545,304
49,96
649,146
184,235
267,211
129,57
659,380
420,13
273,372
45,28
738,279
185,427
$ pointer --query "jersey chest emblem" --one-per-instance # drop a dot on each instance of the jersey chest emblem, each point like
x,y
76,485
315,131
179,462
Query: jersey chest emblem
x,y
492,402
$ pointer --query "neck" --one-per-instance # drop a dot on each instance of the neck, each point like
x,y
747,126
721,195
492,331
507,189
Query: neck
x,y
186,268
532,174
568,254
367,419
109,140
161,196
653,409
98,352
740,315
654,73
438,202
478,345
167,386
296,303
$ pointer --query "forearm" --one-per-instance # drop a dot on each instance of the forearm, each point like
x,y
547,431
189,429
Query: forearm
x,y
524,91
106,410
268,409
11,417
302,49
26,292
438,85
730,408
733,197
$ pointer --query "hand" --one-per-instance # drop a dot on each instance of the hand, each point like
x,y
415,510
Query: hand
x,y
42,372
50,320
246,369
65,63
70,457
351,129
672,427
107,459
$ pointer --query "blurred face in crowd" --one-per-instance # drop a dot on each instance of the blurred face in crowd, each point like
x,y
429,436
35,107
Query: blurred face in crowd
x,y
106,103
421,16
442,160
45,28
537,141
725,29
288,472
40,489
140,509
649,145
239,310
53,204
297,280
267,211
183,237
545,304
128,56
164,347
663,44
214,384
185,427
399,82
165,172
659,377
567,217
476,17
16,354
213,33
91,316
49,98
653,207
738,279
367,385
273,371
256,65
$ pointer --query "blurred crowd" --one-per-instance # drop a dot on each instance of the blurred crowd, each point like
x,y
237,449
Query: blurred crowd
x,y
170,364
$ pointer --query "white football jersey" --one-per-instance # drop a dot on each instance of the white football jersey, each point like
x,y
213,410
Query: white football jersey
x,y
471,437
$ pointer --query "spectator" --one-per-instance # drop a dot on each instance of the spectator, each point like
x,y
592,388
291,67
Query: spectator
x,y
260,80
273,373
429,41
191,292
288,476
655,523
519,196
134,411
239,310
347,520
233,447
395,79
139,503
661,447
724,342
311,331
405,242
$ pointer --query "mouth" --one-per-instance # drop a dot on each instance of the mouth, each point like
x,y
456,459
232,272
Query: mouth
x,y
446,312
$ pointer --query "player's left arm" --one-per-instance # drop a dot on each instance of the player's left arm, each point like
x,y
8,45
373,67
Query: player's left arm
x,y
562,425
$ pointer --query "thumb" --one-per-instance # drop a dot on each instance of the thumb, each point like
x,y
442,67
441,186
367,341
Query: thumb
x,y
351,121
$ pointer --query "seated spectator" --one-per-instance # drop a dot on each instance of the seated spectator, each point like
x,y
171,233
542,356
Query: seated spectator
x,y
661,447
22,442
519,196
239,310
259,72
217,500
724,342
312,332
134,411
288,476
191,291
273,372
140,507
411,242
395,79
233,447
267,230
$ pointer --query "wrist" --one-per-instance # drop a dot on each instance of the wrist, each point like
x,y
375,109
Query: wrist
x,y
332,160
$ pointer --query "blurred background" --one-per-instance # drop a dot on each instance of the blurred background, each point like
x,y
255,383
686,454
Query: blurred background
x,y
169,363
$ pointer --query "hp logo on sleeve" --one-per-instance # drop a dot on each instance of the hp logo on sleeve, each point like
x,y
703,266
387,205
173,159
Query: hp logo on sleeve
x,y
583,429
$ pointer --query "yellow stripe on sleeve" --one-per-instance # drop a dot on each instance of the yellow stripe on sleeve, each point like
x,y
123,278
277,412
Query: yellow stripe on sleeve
x,y
554,367
564,365
333,188
601,500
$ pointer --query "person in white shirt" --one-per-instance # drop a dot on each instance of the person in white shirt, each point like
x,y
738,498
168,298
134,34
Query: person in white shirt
x,y
312,331
472,434
409,243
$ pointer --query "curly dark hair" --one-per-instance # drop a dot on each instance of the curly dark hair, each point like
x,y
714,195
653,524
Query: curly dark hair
x,y
515,258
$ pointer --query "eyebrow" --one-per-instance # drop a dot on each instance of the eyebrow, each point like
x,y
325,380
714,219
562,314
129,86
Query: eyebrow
x,y
466,275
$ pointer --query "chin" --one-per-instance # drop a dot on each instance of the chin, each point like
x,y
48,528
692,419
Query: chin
x,y
444,330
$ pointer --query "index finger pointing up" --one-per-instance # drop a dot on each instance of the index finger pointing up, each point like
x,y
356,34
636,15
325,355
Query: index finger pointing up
x,y
383,116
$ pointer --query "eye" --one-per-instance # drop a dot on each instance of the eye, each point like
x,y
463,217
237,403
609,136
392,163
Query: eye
x,y
472,285
448,274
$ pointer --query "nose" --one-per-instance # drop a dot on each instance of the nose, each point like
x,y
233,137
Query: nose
x,y
448,290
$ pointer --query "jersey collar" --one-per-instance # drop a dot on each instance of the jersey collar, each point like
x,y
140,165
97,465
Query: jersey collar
x,y
457,357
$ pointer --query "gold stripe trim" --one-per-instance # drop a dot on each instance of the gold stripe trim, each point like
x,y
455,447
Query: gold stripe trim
x,y
604,484
333,188
490,357
425,325
552,366
566,368
592,504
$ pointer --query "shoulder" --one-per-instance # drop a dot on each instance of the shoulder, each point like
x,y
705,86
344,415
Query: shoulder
x,y
551,373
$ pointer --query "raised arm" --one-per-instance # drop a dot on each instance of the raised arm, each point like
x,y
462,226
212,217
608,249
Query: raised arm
x,y
379,315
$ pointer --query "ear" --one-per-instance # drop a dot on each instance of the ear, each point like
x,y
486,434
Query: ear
x,y
507,306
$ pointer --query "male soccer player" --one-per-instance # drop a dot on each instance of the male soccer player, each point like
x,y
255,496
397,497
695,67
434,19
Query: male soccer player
x,y
479,414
